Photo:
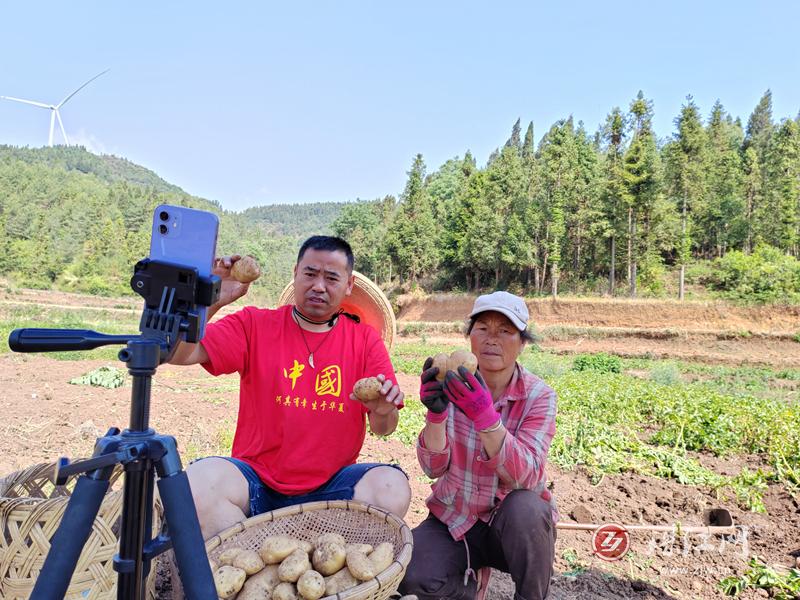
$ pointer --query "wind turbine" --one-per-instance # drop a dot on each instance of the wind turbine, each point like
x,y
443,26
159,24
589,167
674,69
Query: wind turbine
x,y
54,114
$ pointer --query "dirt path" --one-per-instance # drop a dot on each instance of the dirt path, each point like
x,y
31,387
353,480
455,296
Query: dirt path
x,y
44,417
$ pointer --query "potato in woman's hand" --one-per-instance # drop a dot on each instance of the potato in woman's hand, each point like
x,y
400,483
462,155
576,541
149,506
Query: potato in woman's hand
x,y
245,270
368,389
440,362
462,358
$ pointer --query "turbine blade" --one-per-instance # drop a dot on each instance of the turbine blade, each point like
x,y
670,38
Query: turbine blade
x,y
40,104
60,104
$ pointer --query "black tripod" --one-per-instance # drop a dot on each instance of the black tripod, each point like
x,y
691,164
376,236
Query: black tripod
x,y
172,296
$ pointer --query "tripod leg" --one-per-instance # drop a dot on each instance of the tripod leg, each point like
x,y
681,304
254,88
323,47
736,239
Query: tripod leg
x,y
184,529
136,528
68,541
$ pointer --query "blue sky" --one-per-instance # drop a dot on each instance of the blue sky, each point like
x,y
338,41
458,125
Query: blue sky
x,y
257,103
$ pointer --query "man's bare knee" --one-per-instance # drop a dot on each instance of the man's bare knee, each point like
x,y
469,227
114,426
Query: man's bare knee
x,y
386,487
220,493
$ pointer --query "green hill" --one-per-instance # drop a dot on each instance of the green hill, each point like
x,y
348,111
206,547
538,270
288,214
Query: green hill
x,y
296,220
77,221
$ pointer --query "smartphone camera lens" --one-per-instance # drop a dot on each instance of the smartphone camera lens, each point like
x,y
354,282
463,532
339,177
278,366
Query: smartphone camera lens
x,y
163,215
163,229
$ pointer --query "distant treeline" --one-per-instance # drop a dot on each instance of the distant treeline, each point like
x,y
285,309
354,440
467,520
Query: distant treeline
x,y
596,212
79,222
617,211
296,220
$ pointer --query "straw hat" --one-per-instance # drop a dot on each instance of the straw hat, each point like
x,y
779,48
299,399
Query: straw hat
x,y
367,301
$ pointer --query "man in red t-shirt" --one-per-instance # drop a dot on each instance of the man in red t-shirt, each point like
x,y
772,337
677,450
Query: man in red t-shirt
x,y
299,429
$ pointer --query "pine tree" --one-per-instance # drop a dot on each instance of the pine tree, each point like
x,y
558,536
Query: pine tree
x,y
760,127
614,193
515,141
413,238
557,175
503,196
688,172
641,174
528,148
720,223
752,183
781,219
583,207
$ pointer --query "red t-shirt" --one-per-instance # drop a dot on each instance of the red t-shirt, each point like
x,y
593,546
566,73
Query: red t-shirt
x,y
297,425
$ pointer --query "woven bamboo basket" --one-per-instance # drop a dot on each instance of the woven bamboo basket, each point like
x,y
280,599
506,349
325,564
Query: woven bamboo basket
x,y
355,521
31,508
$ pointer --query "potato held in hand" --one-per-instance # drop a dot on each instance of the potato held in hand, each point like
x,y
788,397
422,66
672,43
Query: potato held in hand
x,y
245,270
440,362
367,389
462,358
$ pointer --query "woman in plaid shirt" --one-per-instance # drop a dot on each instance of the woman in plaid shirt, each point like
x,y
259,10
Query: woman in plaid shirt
x,y
485,441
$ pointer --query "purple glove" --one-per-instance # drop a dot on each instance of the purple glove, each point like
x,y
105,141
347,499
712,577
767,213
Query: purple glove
x,y
471,397
431,394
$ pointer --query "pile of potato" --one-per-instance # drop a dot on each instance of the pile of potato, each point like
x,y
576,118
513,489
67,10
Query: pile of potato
x,y
285,568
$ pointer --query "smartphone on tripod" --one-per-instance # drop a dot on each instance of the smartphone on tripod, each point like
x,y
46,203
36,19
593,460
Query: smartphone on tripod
x,y
187,237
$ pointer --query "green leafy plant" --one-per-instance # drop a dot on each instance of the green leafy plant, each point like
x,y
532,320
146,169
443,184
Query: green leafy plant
x,y
784,585
665,374
600,362
107,377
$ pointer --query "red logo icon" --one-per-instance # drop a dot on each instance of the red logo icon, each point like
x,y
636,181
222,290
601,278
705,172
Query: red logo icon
x,y
610,542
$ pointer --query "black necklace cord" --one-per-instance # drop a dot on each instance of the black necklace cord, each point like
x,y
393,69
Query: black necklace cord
x,y
330,322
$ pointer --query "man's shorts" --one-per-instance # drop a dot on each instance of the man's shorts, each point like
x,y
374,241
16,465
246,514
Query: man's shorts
x,y
339,487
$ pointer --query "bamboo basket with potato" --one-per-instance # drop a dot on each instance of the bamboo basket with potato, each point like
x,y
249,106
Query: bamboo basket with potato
x,y
367,531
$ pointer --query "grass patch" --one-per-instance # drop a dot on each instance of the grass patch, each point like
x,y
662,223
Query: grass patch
x,y
34,316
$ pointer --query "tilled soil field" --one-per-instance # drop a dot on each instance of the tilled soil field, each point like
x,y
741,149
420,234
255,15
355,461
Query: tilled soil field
x,y
45,417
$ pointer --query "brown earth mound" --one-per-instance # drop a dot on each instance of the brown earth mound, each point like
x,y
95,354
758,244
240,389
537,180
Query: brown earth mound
x,y
617,313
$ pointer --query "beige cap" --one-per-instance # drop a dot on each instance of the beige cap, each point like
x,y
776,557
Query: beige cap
x,y
510,305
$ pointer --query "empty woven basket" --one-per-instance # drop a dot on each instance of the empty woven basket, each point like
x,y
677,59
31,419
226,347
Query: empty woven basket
x,y
31,508
355,521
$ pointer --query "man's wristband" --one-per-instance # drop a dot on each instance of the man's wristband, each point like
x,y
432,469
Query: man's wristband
x,y
493,428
